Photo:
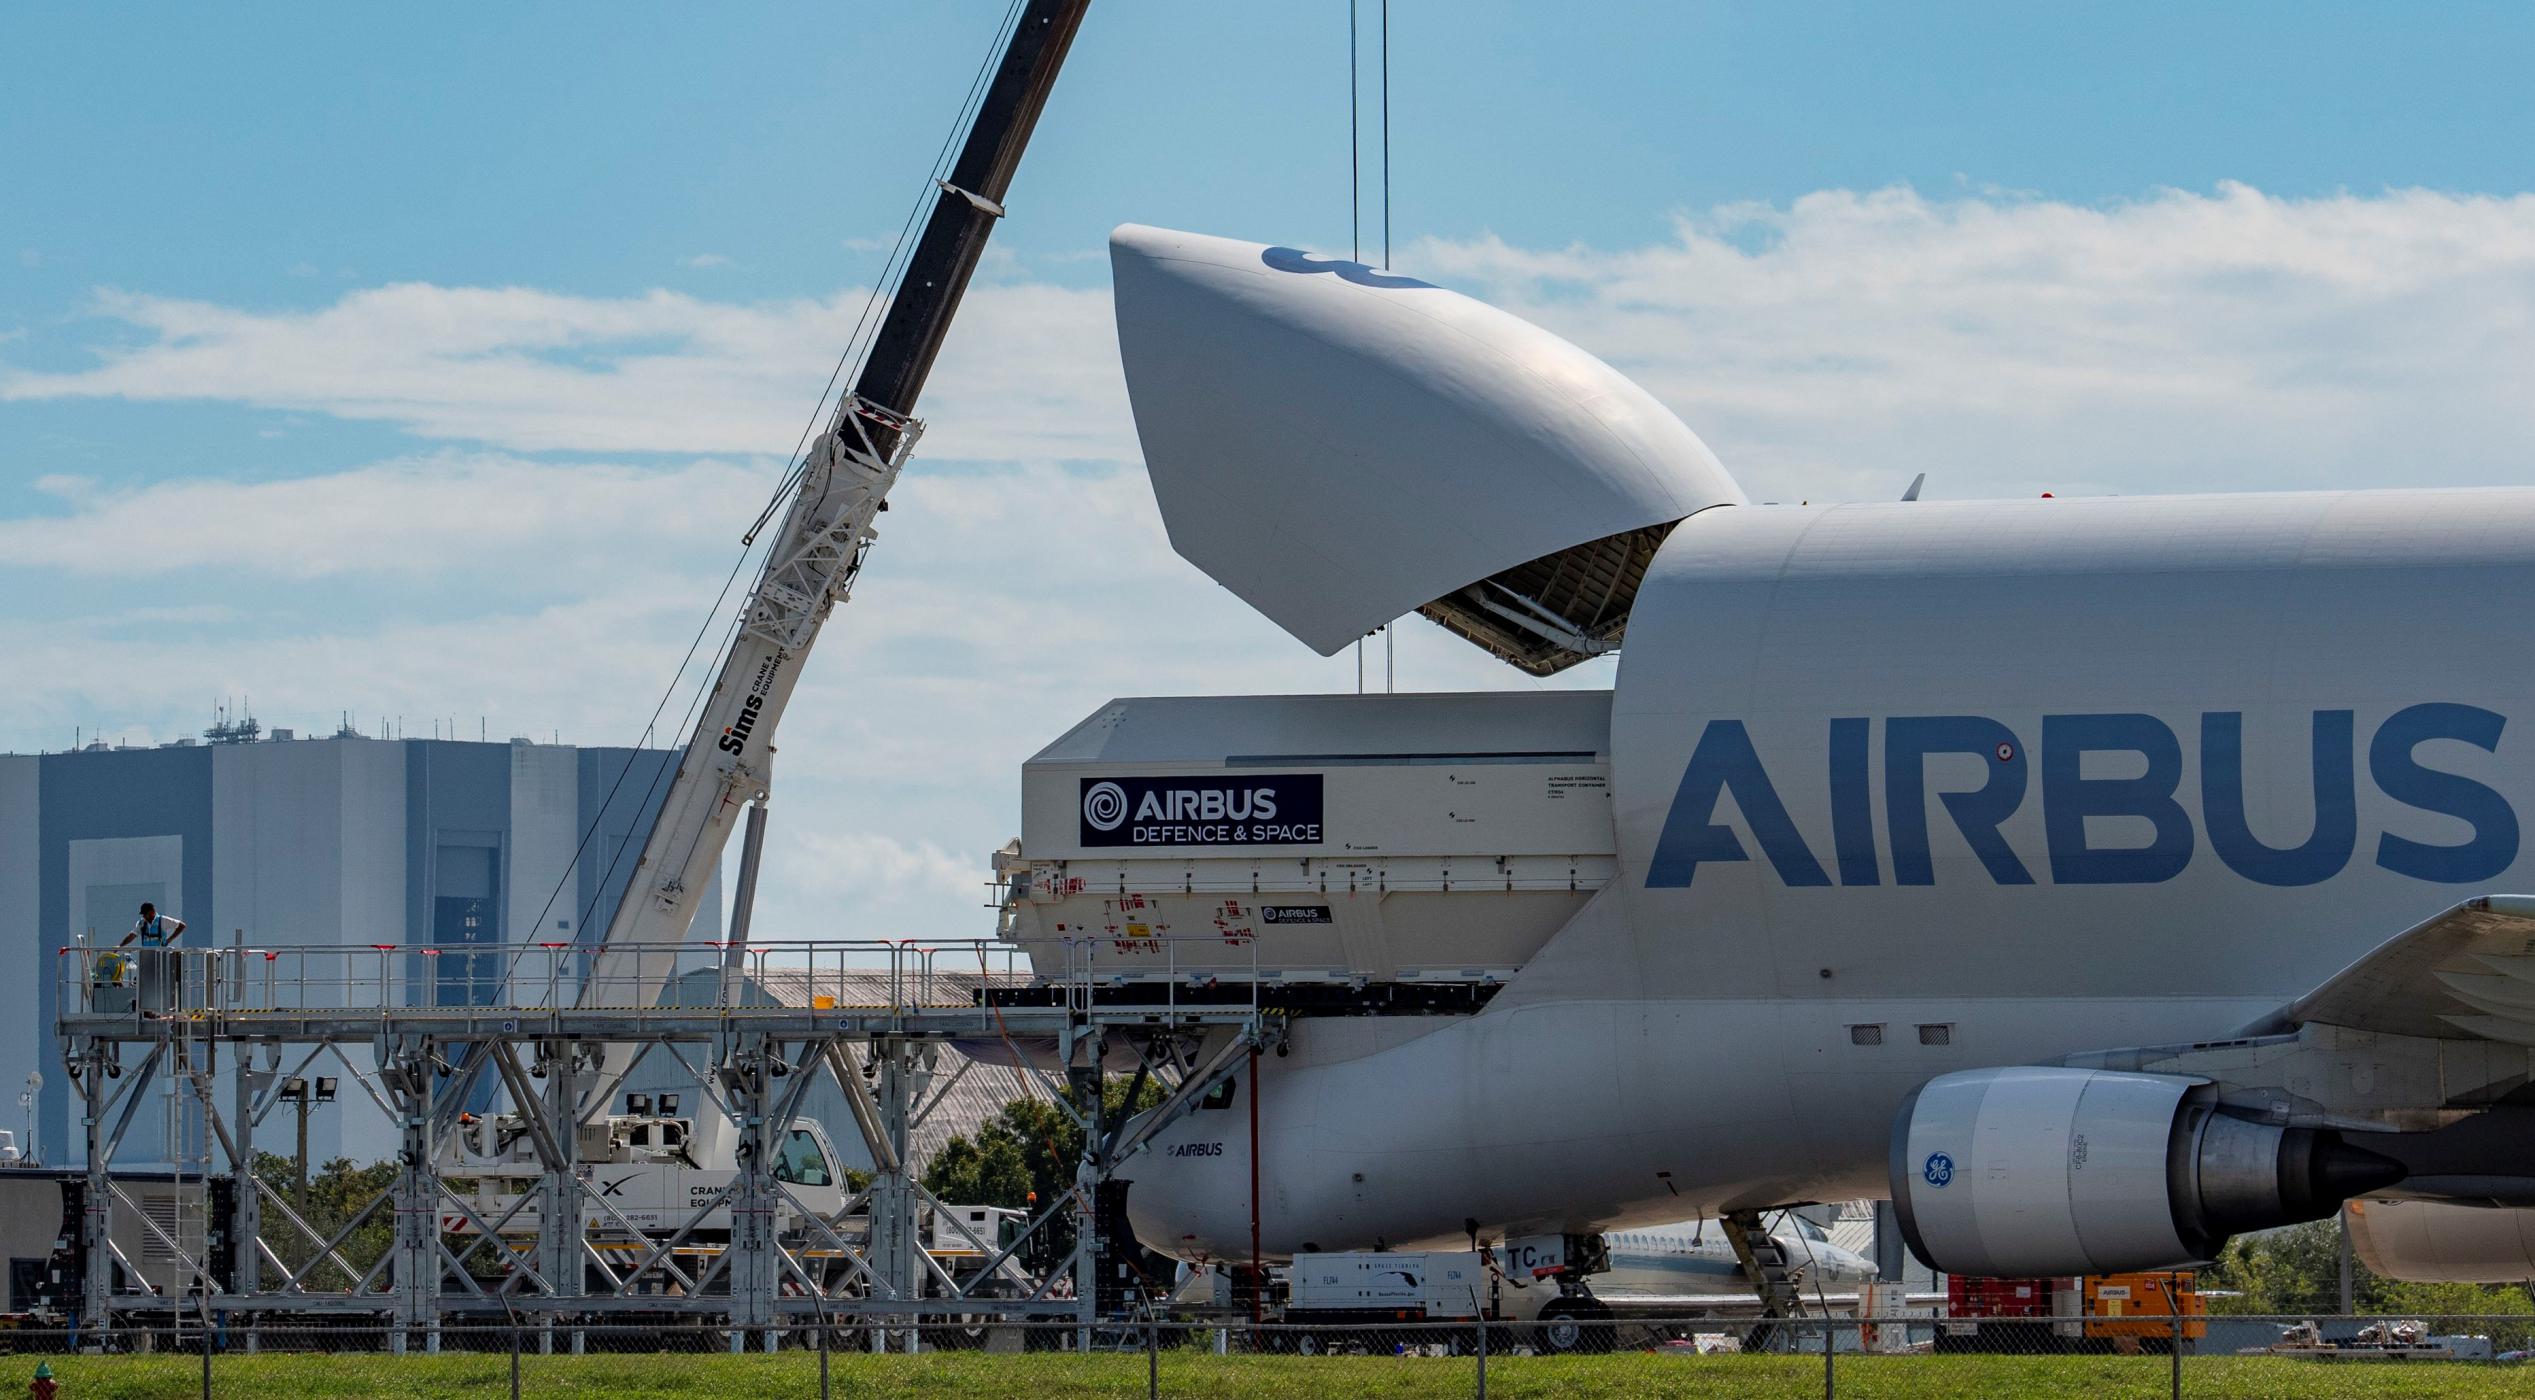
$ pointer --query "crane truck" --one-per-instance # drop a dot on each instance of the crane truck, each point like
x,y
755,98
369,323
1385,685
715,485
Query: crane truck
x,y
659,1177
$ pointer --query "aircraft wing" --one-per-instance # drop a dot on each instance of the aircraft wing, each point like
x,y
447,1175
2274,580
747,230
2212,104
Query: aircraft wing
x,y
2468,974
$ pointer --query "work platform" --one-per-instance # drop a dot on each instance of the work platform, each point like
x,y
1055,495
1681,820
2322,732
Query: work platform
x,y
436,1038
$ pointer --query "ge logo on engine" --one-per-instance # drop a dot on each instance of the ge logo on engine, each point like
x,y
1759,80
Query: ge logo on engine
x,y
1104,806
1939,1169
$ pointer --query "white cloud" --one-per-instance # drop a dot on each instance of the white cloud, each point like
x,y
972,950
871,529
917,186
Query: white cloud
x,y
704,260
427,515
870,865
1031,374
2178,342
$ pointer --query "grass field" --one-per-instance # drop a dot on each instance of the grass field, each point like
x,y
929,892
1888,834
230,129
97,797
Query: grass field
x,y
971,1376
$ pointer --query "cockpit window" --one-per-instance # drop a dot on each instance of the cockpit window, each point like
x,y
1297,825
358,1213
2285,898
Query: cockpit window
x,y
800,1162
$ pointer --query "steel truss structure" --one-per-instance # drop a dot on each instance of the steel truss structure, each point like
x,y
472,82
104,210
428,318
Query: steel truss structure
x,y
238,1016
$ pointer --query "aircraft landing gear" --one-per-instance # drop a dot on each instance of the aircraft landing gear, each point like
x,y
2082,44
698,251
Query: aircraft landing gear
x,y
1578,1324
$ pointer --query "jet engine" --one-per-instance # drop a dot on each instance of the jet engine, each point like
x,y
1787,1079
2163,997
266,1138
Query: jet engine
x,y
2442,1241
2030,1171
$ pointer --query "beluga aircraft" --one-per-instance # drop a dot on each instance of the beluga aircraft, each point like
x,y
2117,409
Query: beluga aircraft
x,y
2095,878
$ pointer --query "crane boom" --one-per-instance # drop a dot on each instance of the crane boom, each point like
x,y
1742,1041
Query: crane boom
x,y
826,530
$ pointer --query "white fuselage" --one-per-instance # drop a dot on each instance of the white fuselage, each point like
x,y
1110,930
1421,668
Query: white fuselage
x,y
1906,789
1692,1259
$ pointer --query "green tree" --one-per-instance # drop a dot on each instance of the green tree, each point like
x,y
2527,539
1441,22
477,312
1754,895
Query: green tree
x,y
337,1191
2297,1270
2291,1270
1023,1158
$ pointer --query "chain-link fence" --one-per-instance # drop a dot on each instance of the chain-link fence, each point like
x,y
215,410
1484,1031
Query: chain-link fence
x,y
2220,1356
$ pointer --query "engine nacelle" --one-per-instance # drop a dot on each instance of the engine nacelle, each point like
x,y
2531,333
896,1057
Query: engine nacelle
x,y
2442,1242
2030,1171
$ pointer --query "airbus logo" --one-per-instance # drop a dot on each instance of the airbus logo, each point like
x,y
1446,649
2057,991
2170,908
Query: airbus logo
x,y
1104,806
2419,757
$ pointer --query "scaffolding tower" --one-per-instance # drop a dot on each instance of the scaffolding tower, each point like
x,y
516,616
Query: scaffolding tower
x,y
417,1044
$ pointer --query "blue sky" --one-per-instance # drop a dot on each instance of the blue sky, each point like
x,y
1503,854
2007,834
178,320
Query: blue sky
x,y
428,361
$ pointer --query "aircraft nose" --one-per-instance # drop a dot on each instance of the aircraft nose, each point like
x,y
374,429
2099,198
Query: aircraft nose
x,y
1189,1191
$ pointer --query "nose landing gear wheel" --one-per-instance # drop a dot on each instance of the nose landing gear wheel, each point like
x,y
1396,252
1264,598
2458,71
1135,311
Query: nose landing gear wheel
x,y
1575,1326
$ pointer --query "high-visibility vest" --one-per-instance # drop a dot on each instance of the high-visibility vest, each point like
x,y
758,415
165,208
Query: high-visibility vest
x,y
153,933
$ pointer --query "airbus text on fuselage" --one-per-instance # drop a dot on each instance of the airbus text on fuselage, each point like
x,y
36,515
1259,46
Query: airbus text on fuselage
x,y
2094,766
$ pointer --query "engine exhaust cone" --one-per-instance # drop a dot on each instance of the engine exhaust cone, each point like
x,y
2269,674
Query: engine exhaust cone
x,y
2340,1171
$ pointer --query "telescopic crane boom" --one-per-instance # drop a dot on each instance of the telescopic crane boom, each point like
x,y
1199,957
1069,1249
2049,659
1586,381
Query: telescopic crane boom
x,y
810,566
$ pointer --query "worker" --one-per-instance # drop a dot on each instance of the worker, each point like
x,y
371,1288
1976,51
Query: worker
x,y
155,932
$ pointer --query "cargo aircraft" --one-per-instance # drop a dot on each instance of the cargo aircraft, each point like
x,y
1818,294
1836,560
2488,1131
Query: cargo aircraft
x,y
2097,879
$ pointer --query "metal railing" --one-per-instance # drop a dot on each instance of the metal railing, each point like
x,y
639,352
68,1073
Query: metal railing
x,y
491,981
99,978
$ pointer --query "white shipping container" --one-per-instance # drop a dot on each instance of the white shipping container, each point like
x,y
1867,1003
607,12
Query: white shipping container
x,y
1408,838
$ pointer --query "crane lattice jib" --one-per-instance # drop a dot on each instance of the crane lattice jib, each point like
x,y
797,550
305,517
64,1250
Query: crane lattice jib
x,y
827,529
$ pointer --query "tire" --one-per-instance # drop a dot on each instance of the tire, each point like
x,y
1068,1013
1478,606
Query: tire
x,y
969,1331
1574,1327
1311,1344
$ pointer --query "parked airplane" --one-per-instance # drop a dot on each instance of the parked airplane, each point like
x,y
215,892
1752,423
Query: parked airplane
x,y
1691,1260
2098,878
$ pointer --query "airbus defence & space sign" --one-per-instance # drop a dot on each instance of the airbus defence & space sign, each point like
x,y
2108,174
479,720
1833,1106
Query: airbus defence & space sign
x,y
1276,809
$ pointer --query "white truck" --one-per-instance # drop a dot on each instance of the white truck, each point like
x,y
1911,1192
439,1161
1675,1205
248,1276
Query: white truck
x,y
651,1178
642,1176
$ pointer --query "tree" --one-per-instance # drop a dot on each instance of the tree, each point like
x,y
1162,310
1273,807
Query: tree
x,y
337,1192
2292,1270
2297,1271
1024,1157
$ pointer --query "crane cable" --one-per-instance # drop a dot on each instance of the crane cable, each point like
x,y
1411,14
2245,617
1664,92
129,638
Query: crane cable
x,y
857,345
1355,244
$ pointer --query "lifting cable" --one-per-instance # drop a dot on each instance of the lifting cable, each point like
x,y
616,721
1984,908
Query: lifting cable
x,y
857,346
1355,244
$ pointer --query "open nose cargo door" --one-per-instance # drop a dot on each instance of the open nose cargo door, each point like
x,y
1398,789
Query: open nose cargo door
x,y
1341,446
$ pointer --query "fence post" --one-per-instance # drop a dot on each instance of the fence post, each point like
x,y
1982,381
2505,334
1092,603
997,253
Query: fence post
x,y
514,1360
2174,1368
1830,1335
1483,1354
1152,1361
824,1329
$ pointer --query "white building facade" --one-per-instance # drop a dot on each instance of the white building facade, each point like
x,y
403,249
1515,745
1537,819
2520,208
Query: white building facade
x,y
282,843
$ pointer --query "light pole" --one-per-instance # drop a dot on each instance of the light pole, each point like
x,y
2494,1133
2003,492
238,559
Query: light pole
x,y
295,1092
26,1100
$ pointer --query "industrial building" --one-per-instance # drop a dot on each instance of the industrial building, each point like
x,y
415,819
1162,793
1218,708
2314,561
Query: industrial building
x,y
281,842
